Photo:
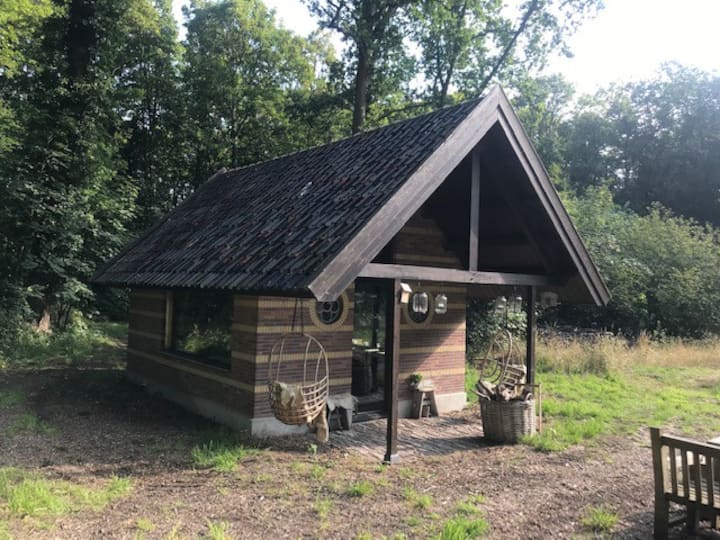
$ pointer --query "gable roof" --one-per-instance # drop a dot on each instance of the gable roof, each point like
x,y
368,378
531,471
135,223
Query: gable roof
x,y
306,223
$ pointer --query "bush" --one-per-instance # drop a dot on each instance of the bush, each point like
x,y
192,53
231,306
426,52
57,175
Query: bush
x,y
80,342
663,271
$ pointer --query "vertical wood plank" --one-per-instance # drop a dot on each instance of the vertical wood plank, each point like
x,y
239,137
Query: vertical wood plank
x,y
698,471
710,475
661,503
169,301
392,354
685,471
673,469
530,335
474,211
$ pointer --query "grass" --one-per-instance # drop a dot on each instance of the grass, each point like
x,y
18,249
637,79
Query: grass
x,y
611,387
421,501
4,531
29,495
10,398
469,507
29,423
221,455
218,530
144,524
463,528
82,342
360,489
599,519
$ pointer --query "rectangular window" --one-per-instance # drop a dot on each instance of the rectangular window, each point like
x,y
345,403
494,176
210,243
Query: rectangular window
x,y
199,325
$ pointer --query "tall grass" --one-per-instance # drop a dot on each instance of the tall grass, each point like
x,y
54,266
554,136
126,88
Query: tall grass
x,y
607,354
608,385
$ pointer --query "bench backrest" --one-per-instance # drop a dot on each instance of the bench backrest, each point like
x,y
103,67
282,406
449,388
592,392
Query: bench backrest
x,y
685,470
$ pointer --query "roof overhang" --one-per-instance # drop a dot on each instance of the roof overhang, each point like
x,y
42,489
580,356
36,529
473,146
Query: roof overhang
x,y
354,259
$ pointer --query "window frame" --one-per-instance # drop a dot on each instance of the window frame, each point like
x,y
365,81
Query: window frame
x,y
171,332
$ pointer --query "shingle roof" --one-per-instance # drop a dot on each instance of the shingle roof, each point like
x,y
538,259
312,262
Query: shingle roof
x,y
272,226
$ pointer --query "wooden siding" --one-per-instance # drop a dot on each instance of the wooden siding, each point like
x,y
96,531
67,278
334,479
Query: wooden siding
x,y
435,349
275,317
146,356
421,243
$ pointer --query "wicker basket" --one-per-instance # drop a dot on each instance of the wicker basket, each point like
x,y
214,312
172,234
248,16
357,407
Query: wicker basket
x,y
507,421
313,403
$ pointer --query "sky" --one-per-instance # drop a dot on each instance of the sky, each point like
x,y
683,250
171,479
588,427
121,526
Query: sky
x,y
626,41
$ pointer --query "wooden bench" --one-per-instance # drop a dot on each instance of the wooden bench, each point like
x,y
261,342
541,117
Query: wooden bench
x,y
687,473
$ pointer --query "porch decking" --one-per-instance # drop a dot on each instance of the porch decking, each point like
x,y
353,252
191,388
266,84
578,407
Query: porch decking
x,y
416,437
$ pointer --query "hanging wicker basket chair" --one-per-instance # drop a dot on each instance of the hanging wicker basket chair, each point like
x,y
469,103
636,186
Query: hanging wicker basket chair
x,y
293,402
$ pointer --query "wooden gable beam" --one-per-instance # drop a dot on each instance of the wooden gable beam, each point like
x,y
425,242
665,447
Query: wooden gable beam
x,y
451,275
387,222
495,108
550,200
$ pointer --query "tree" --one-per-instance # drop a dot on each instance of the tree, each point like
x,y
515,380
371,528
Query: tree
x,y
151,104
239,71
19,19
654,141
663,270
543,104
373,29
63,202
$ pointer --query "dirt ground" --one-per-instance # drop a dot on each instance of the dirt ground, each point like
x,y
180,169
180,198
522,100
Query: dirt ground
x,y
100,426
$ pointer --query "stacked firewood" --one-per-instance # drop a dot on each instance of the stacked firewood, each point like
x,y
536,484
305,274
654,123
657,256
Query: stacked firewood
x,y
503,392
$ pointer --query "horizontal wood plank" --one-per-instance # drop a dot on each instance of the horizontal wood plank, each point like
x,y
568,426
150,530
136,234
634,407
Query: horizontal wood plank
x,y
449,275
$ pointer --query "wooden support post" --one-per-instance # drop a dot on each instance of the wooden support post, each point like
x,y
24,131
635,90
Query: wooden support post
x,y
530,336
662,506
473,248
168,335
392,359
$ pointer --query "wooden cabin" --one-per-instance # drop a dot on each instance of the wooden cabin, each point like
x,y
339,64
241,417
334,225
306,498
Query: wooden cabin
x,y
454,203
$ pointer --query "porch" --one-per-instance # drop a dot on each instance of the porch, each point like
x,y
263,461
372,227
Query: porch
x,y
417,437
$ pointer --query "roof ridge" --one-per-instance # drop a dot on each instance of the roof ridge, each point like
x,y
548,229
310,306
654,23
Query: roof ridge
x,y
353,136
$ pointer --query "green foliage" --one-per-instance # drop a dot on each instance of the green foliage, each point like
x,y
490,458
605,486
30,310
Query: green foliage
x,y
238,67
361,489
655,141
469,506
221,455
144,524
484,320
29,423
663,270
28,495
599,519
421,501
463,528
10,398
83,341
218,530
579,408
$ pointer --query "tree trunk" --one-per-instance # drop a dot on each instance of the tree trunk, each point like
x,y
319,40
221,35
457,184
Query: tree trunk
x,y
362,84
43,323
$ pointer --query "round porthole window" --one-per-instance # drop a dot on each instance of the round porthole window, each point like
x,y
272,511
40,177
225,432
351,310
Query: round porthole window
x,y
331,313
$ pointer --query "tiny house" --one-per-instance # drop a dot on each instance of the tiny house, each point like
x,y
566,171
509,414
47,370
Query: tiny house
x,y
452,204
